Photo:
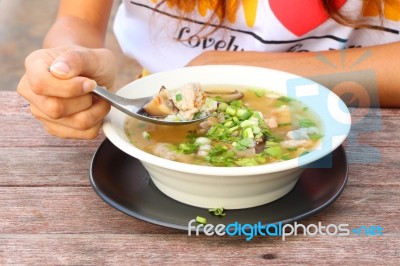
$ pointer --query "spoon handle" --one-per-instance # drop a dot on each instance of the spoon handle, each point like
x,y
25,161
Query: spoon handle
x,y
133,107
121,103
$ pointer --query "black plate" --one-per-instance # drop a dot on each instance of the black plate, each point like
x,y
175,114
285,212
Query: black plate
x,y
121,181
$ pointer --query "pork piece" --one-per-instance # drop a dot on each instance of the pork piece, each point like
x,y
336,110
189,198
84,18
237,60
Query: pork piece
x,y
271,122
207,124
297,143
163,150
246,153
188,99
299,138
301,133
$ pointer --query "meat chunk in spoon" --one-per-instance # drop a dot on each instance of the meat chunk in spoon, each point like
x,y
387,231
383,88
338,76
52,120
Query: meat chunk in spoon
x,y
188,101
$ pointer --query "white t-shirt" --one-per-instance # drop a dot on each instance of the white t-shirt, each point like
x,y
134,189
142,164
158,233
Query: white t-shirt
x,y
158,40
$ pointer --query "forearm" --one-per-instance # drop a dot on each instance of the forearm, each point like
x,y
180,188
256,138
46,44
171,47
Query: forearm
x,y
372,74
73,31
324,67
80,23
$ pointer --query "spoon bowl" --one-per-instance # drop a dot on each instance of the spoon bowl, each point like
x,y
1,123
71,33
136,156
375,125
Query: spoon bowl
x,y
134,108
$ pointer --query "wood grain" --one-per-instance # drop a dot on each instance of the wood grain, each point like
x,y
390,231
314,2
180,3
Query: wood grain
x,y
166,249
50,215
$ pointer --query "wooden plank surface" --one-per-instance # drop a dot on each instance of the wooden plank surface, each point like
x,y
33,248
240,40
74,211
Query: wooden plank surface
x,y
166,249
50,215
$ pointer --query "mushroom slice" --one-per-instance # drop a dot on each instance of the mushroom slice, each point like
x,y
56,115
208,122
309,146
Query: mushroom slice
x,y
224,95
186,100
260,146
161,104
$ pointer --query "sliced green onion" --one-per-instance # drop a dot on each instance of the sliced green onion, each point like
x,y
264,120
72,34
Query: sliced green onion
x,y
286,157
230,111
217,211
258,115
244,114
256,130
258,92
271,143
284,124
304,153
306,123
146,135
188,148
201,220
246,162
233,128
285,99
248,133
247,123
315,136
229,123
222,107
275,151
178,97
196,115
247,142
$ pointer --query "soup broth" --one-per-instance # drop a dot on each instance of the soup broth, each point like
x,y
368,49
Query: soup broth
x,y
263,127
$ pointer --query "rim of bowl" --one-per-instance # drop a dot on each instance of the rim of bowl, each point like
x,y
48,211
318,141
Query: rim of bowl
x,y
113,131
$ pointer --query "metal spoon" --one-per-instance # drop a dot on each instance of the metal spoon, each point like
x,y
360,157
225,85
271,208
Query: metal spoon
x,y
133,107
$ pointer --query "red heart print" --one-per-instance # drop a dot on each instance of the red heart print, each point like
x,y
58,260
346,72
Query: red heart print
x,y
301,16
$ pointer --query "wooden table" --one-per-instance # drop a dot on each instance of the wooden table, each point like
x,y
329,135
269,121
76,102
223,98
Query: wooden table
x,y
49,213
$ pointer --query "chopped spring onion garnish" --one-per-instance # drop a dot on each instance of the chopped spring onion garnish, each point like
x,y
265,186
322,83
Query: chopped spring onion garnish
x,y
178,97
284,124
201,220
217,211
241,133
146,135
306,123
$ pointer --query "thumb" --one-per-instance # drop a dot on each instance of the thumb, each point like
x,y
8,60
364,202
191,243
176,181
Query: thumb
x,y
61,69
97,64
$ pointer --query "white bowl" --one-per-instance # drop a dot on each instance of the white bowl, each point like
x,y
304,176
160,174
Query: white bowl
x,y
232,187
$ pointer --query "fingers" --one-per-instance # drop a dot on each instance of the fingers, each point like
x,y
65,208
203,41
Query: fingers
x,y
98,64
78,117
42,82
82,125
54,107
57,83
69,133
